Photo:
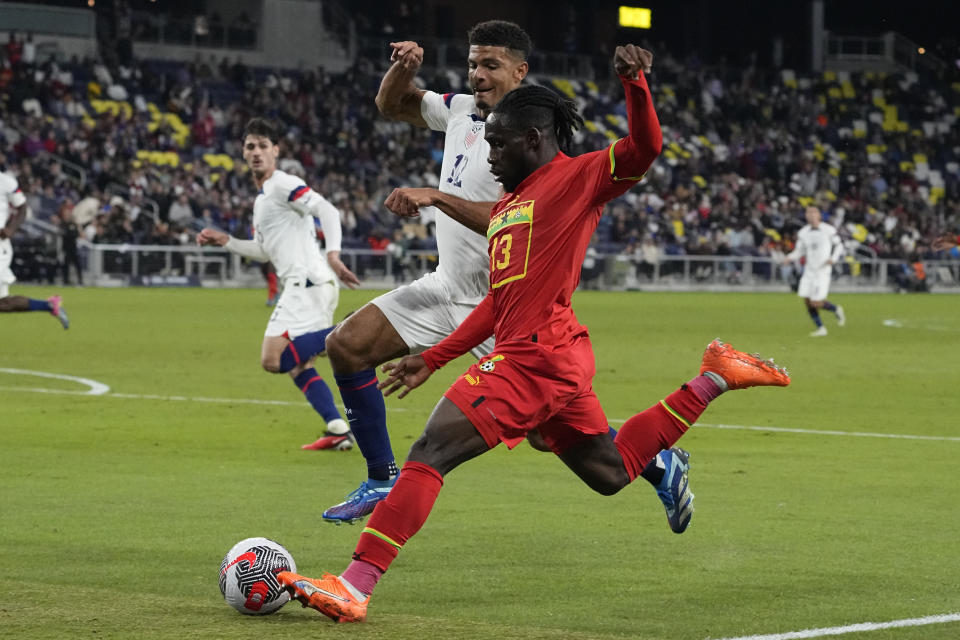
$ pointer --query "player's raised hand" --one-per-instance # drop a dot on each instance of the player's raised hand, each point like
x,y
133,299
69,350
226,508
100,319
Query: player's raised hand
x,y
408,371
406,201
346,276
209,236
408,53
629,59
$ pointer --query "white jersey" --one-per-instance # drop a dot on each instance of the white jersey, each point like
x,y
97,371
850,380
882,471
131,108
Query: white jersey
x,y
819,246
10,196
283,227
464,265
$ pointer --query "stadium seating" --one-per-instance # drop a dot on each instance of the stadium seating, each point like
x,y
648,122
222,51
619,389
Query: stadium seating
x,y
745,150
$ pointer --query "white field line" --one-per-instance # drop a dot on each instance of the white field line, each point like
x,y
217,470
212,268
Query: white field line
x,y
99,389
853,628
829,432
304,405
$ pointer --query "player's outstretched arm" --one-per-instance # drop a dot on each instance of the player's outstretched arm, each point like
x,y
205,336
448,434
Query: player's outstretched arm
x,y
475,328
408,371
212,237
398,97
945,242
634,154
246,248
406,202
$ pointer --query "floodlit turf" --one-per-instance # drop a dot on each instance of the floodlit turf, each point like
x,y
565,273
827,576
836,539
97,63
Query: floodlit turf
x,y
115,510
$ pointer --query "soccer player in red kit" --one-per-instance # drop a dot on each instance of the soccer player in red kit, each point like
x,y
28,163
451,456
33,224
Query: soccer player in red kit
x,y
540,372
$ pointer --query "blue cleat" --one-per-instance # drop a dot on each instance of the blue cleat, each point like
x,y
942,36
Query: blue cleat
x,y
674,490
360,503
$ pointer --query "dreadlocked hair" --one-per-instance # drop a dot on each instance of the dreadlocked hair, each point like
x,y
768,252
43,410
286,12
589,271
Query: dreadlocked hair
x,y
540,107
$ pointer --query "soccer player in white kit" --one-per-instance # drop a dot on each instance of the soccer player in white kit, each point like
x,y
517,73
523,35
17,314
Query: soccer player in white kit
x,y
13,209
284,234
414,317
419,315
818,243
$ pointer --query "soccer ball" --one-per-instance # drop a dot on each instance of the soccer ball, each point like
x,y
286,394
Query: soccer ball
x,y
248,576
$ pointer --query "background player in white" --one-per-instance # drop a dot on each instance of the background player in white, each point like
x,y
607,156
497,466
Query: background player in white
x,y
417,316
283,214
818,243
13,210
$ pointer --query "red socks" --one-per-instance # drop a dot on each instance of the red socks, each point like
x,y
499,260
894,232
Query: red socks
x,y
272,285
406,508
644,435
399,517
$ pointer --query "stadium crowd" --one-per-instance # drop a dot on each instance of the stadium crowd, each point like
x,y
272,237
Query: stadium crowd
x,y
149,153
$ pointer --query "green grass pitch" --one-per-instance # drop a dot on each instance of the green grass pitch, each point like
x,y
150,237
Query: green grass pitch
x,y
115,510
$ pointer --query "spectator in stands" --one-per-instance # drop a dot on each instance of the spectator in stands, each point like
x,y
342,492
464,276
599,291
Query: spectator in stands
x,y
592,267
744,145
911,276
69,234
29,50
14,48
646,257
203,131
181,212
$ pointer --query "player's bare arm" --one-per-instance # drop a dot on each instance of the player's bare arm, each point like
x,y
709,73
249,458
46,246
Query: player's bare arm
x,y
346,276
406,202
212,237
13,223
408,371
945,242
398,97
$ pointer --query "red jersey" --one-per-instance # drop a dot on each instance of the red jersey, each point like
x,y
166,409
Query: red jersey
x,y
538,236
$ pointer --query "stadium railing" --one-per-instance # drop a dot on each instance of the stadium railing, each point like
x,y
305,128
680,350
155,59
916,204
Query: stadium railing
x,y
123,264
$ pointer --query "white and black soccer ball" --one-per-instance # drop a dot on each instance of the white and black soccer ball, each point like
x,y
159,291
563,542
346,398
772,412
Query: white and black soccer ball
x,y
248,576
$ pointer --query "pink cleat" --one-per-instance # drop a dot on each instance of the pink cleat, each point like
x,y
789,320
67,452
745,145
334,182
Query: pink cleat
x,y
58,312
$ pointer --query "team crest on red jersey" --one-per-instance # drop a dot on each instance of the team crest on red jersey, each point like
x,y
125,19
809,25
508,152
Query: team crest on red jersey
x,y
489,365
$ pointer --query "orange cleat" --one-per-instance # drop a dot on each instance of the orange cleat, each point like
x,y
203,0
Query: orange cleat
x,y
741,370
328,595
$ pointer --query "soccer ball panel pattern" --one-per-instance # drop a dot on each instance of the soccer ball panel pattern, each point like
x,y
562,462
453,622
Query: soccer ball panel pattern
x,y
248,576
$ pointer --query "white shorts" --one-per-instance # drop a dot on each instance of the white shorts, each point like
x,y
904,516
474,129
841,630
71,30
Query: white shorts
x,y
815,286
6,259
302,309
423,314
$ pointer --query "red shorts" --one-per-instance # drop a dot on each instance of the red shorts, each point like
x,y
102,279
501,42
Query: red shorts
x,y
524,385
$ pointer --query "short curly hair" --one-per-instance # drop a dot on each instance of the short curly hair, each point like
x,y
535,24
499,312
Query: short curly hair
x,y
501,33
